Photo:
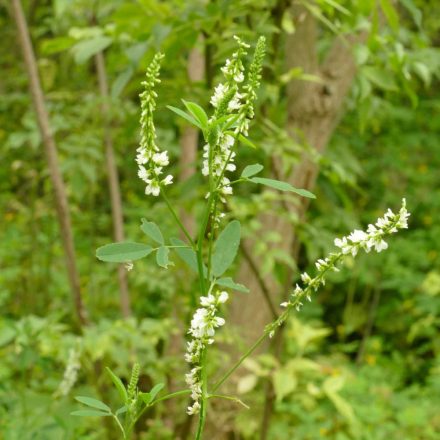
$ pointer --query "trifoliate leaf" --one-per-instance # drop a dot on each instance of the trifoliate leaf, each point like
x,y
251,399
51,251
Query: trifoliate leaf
x,y
230,284
152,230
94,403
162,257
251,170
90,413
118,384
225,248
282,186
156,390
197,112
123,252
187,254
185,115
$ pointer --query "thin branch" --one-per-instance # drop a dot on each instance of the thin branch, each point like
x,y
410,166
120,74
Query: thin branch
x,y
264,289
113,180
51,154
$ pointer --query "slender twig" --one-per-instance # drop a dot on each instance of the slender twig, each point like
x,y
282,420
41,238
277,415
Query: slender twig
x,y
176,218
248,352
232,398
120,426
113,179
50,151
264,289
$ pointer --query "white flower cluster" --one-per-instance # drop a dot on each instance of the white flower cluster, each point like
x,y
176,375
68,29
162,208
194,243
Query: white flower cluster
x,y
222,161
70,373
150,159
203,325
372,238
226,99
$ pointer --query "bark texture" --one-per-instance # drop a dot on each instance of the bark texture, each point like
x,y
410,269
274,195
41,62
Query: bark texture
x,y
313,111
190,135
113,180
51,154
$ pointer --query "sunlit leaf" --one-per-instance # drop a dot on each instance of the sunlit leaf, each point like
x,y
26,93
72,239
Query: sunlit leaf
x,y
152,230
94,403
282,186
123,252
225,248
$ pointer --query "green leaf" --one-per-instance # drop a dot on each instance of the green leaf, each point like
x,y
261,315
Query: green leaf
x,y
251,170
282,186
423,72
155,391
231,284
186,116
390,13
94,403
118,384
415,12
162,257
197,112
152,230
123,252
246,141
89,413
83,50
284,382
121,410
187,254
331,386
287,23
225,248
146,397
121,81
337,6
380,78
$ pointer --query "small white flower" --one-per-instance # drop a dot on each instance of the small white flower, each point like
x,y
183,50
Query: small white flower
x,y
207,301
357,236
381,245
168,180
306,278
129,265
194,409
219,94
223,297
161,158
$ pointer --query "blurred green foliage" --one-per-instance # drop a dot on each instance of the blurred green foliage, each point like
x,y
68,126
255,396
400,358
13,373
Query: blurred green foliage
x,y
363,361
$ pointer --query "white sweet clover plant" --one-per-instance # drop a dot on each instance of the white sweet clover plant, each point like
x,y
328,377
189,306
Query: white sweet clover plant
x,y
212,253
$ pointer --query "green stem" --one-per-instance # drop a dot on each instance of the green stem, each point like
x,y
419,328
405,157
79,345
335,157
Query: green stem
x,y
170,396
166,397
176,218
211,238
120,426
203,404
203,227
232,398
249,351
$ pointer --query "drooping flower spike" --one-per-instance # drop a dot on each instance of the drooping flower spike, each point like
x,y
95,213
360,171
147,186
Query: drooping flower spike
x,y
371,239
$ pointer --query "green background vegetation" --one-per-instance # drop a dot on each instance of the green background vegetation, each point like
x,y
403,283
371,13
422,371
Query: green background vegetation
x,y
360,362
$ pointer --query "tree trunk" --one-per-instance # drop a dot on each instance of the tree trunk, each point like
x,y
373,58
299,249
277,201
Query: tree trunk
x,y
113,180
50,151
313,111
190,135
